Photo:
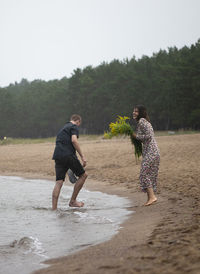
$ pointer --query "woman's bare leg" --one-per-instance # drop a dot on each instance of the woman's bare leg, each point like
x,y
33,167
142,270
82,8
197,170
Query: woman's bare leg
x,y
151,198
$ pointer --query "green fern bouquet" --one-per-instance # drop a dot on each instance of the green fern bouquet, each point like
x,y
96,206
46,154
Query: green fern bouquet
x,y
121,127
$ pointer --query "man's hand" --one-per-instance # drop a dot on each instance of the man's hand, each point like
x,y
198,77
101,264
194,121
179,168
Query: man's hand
x,y
84,161
78,149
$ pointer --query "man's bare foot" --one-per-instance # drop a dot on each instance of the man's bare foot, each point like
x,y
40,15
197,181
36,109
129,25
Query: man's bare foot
x,y
150,202
76,204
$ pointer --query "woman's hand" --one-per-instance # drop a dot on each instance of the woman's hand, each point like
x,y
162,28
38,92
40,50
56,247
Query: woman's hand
x,y
134,135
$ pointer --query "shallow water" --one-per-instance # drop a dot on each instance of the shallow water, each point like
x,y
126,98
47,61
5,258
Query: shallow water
x,y
31,232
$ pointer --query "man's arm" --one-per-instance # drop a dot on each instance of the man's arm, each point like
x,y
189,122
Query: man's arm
x,y
78,149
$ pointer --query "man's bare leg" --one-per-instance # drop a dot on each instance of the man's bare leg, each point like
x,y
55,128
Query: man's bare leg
x,y
56,193
77,187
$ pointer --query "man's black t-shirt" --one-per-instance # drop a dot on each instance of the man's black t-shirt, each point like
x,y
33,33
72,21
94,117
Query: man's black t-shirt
x,y
64,146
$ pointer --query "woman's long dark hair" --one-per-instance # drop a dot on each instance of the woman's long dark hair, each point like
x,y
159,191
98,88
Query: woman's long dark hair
x,y
142,112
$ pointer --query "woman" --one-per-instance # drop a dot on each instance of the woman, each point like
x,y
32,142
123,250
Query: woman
x,y
150,154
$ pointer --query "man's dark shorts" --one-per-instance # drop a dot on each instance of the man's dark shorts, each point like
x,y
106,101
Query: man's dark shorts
x,y
62,165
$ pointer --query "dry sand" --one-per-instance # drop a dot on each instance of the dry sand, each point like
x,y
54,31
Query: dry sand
x,y
162,238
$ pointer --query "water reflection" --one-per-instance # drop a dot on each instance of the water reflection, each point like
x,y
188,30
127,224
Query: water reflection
x,y
32,232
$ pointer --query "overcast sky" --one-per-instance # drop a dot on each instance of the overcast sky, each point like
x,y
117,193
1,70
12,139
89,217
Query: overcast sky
x,y
48,39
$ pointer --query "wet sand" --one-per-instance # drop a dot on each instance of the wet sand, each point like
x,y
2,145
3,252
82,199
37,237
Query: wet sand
x,y
162,238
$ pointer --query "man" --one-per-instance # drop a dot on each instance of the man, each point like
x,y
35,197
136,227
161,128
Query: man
x,y
65,158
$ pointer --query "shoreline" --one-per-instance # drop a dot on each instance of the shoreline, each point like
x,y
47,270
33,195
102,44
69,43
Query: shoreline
x,y
134,249
111,255
132,234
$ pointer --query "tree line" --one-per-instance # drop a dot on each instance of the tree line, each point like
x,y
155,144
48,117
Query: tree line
x,y
167,83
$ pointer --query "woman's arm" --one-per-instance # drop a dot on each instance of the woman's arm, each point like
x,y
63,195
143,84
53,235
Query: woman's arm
x,y
144,131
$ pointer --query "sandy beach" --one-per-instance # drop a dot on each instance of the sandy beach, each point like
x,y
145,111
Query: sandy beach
x,y
162,238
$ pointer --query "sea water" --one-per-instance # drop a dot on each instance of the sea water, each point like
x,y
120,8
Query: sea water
x,y
30,232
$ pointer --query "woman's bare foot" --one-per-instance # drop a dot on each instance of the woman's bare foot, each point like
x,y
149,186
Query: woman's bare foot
x,y
150,202
76,204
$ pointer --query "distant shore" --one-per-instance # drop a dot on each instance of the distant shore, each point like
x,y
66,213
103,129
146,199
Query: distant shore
x,y
155,239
